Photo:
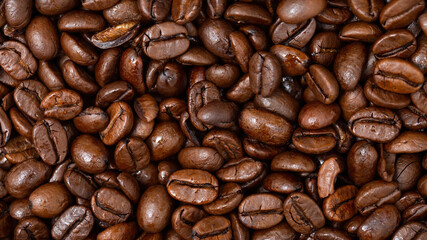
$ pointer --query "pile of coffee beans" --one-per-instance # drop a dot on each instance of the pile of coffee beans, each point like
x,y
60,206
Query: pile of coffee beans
x,y
213,119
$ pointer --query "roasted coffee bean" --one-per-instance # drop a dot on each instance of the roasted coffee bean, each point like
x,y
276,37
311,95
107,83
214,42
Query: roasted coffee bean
x,y
20,209
264,73
31,227
212,227
114,92
131,154
154,10
42,38
407,171
302,213
293,61
157,199
78,50
322,83
317,115
283,183
295,12
376,124
121,122
360,31
389,76
314,141
324,47
214,35
407,142
399,14
340,205
193,186
49,200
204,158
366,10
240,170
295,35
78,79
91,120
369,229
110,206
89,154
50,140
375,194
280,231
184,11
349,64
165,140
227,143
361,162
63,104
120,231
327,176
184,218
261,211
17,60
384,98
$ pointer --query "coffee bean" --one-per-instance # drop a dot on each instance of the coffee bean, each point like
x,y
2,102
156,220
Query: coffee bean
x,y
212,227
261,211
110,206
370,230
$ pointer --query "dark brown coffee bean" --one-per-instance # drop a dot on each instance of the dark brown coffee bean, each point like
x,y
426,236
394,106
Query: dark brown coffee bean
x,y
50,141
214,35
340,205
322,83
376,124
17,60
247,13
90,154
241,91
371,230
296,12
63,104
375,194
280,231
227,143
264,73
240,170
31,227
212,227
42,38
49,200
328,174
314,141
302,213
407,171
412,118
91,120
81,21
397,43
366,10
20,209
78,50
384,98
203,158
184,11
398,14
411,230
156,199
283,183
229,197
166,140
50,75
360,31
407,142
261,211
120,231
28,96
324,47
131,154
349,65
256,36
193,186
55,7
352,101
293,61
165,40
116,35
110,206
292,161
121,122
294,35
78,79
361,162
184,218
389,76
79,183
114,92
317,115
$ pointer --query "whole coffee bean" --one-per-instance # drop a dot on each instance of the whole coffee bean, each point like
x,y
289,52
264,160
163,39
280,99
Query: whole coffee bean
x,y
50,140
229,197
384,98
256,36
121,122
19,186
298,11
184,218
78,50
18,13
91,120
389,76
398,14
200,158
340,205
302,213
361,162
247,13
20,209
212,227
268,128
294,35
279,102
17,60
371,230
31,227
110,206
63,104
75,222
49,200
165,40
293,61
184,11
154,10
242,49
154,209
28,96
50,75
408,199
366,10
241,91
261,211
264,73
283,183
6,128
314,141
349,64
419,97
420,54
131,154
376,124
407,142
89,154
408,170
226,143
193,186
323,83
79,183
324,47
397,43
292,161
42,38
81,21
240,170
106,67
411,230
224,76
317,115
360,31
55,7
78,79
120,231
166,140
412,118
214,35
327,176
422,185
375,194
131,69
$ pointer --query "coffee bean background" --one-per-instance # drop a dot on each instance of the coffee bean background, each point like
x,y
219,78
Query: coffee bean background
x,y
213,119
